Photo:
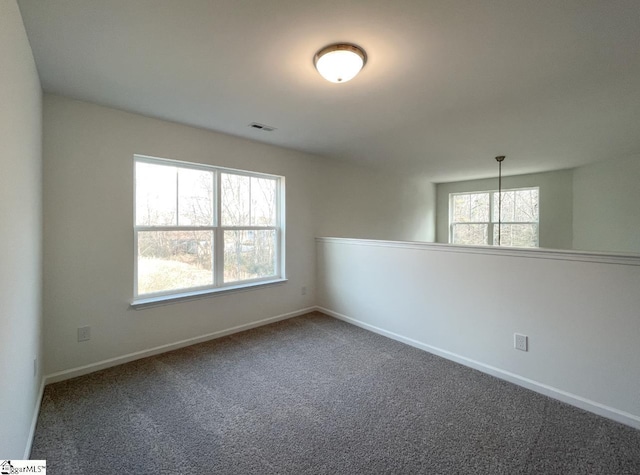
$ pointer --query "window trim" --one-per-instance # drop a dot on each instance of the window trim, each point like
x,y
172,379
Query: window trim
x,y
158,300
491,223
218,286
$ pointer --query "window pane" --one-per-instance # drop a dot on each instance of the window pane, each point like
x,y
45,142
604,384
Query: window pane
x,y
526,206
507,206
471,207
235,199
249,254
517,206
195,197
516,235
480,207
461,209
172,260
470,234
263,202
155,195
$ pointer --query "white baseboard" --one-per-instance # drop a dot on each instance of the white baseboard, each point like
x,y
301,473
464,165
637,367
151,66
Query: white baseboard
x,y
555,393
90,368
34,422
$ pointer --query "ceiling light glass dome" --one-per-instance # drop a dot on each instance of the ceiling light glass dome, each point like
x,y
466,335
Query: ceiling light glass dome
x,y
340,62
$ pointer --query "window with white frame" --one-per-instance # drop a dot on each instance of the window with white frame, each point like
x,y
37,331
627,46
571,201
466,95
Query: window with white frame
x,y
473,218
203,228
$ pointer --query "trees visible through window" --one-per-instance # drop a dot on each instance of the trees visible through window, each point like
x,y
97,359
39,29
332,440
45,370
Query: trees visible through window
x,y
199,227
474,218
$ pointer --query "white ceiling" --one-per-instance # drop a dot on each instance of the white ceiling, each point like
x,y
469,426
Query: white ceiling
x,y
448,84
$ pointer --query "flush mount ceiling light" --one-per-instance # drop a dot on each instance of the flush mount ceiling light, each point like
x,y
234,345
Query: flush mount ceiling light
x,y
340,62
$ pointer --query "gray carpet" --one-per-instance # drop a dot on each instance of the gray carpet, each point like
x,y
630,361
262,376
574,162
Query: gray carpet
x,y
316,395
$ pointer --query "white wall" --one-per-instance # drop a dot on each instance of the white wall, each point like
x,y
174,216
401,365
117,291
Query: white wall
x,y
556,201
367,203
606,205
21,230
88,217
466,303
88,214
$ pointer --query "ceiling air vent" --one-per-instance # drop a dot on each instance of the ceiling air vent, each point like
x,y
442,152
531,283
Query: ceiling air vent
x,y
266,128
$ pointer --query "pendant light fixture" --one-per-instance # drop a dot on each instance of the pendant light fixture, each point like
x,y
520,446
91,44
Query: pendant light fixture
x,y
340,62
500,159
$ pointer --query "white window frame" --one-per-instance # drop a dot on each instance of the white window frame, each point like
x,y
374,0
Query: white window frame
x,y
218,230
492,204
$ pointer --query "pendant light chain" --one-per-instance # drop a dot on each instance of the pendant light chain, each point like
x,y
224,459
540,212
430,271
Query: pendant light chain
x,y
499,159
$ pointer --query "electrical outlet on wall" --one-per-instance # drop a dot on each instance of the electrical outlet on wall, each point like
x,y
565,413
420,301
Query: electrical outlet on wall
x,y
84,333
303,290
520,342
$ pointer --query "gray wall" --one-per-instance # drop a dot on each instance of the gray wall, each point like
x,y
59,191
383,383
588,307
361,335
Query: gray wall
x,y
606,205
21,230
556,202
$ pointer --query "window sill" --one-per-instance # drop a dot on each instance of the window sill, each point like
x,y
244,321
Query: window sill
x,y
147,302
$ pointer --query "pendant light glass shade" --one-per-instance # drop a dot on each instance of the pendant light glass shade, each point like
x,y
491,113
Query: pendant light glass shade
x,y
340,62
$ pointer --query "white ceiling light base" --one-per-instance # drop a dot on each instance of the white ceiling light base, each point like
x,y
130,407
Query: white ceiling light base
x,y
340,62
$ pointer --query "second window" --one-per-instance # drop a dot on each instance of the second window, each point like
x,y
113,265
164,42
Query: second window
x,y
473,218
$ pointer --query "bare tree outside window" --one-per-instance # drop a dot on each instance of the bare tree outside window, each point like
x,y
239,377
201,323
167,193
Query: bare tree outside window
x,y
474,218
182,218
248,204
